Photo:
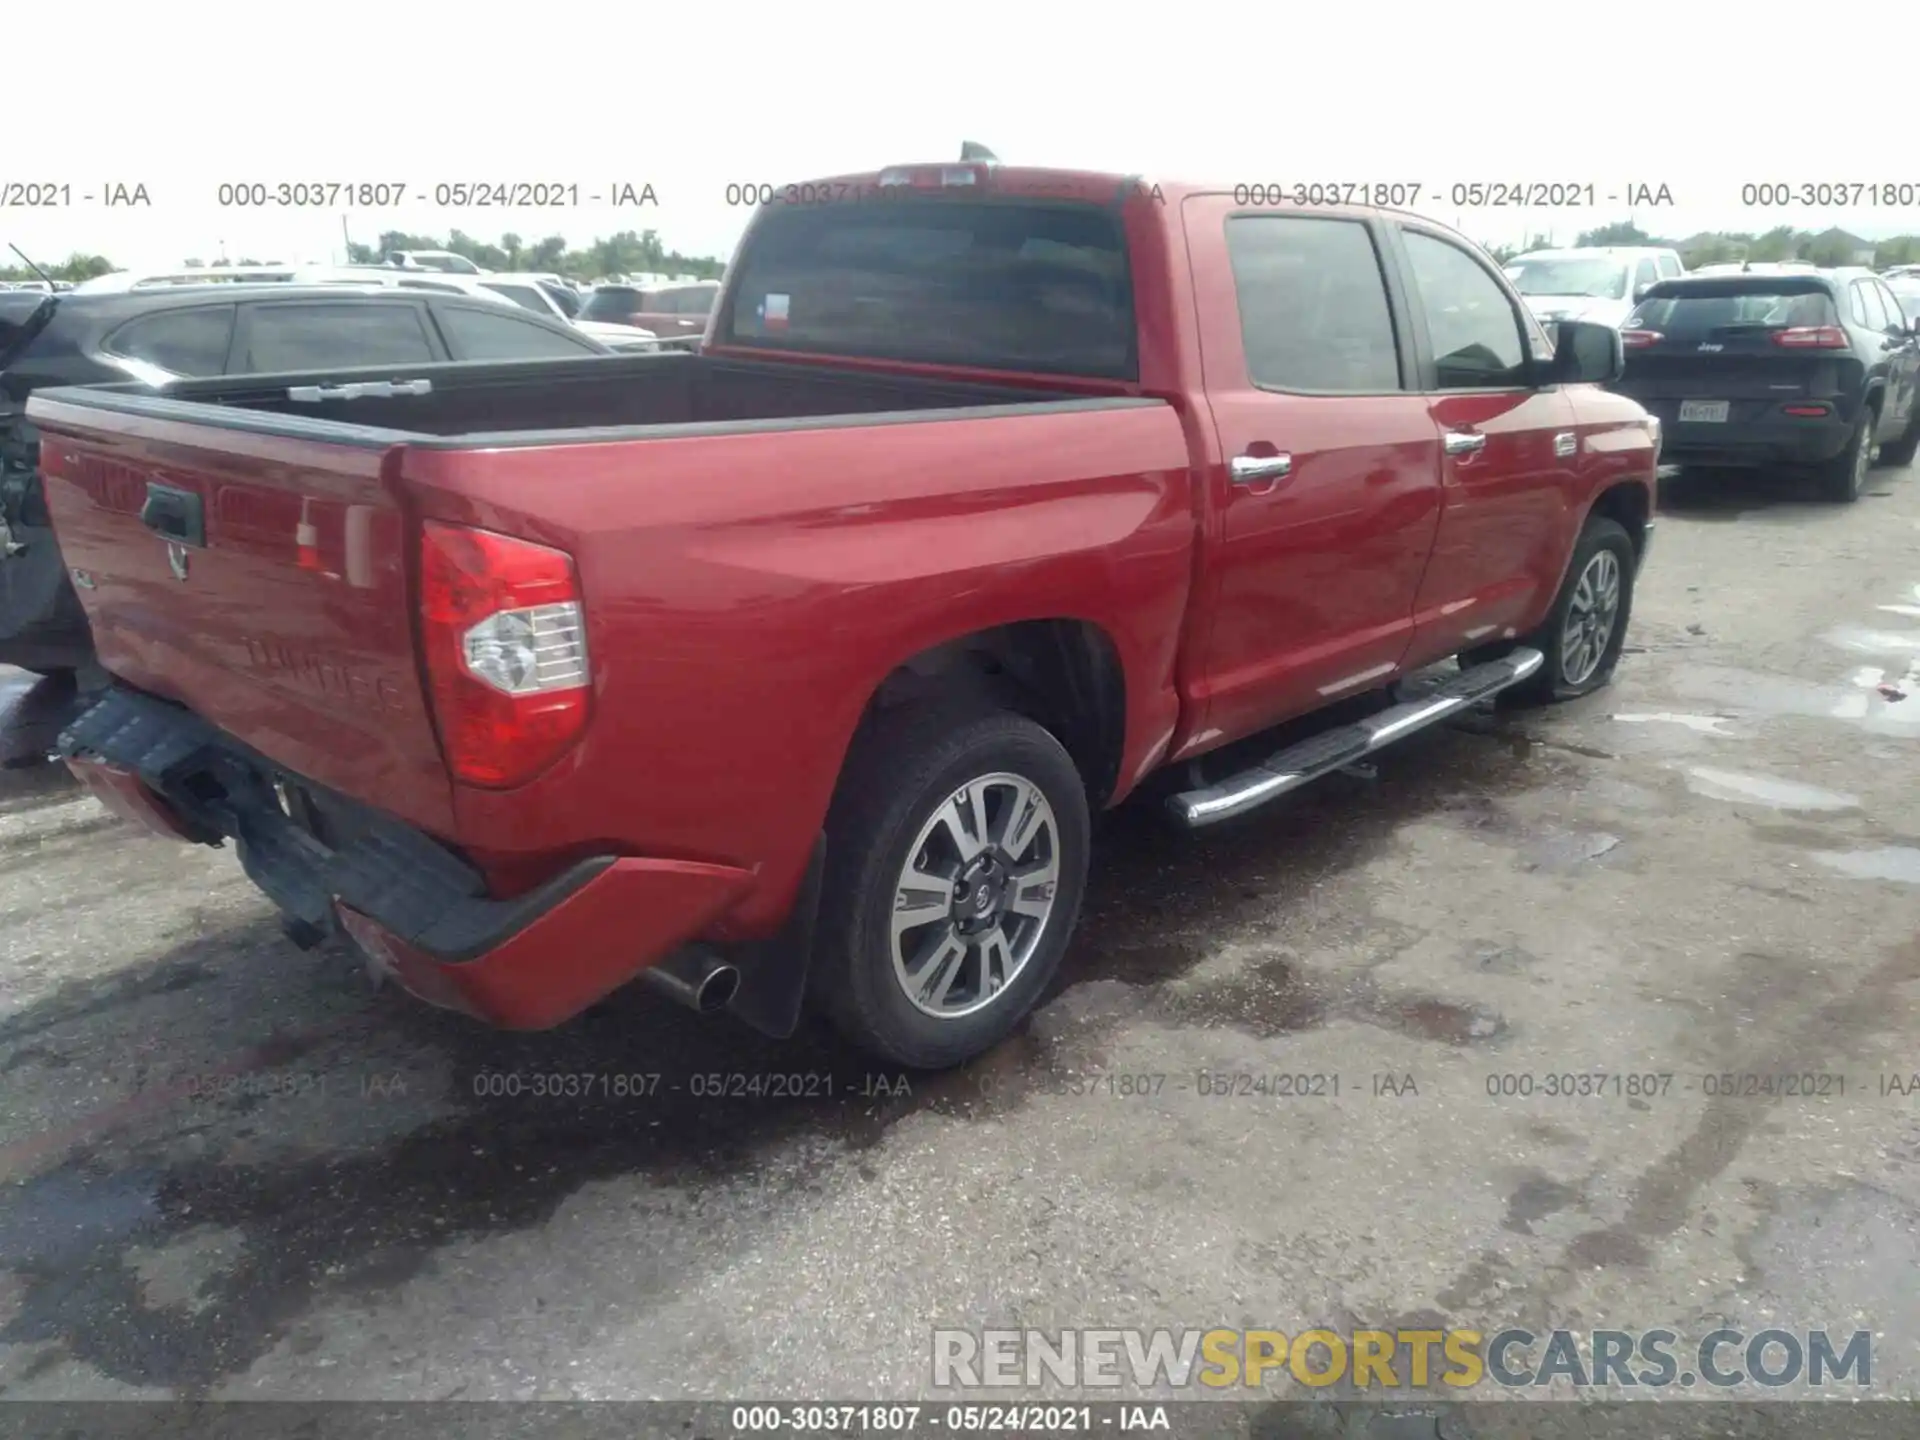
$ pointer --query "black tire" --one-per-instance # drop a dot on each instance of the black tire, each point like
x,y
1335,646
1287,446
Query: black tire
x,y
901,772
1901,451
1550,682
1842,478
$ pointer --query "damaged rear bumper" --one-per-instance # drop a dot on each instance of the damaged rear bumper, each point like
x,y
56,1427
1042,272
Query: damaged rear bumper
x,y
418,910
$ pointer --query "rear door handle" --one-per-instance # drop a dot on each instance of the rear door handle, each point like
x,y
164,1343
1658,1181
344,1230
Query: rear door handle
x,y
1252,469
1462,442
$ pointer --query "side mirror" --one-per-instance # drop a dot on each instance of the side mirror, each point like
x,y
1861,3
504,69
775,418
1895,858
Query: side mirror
x,y
1586,353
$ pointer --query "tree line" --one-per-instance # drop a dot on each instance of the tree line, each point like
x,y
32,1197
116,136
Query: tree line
x,y
1721,247
642,252
627,253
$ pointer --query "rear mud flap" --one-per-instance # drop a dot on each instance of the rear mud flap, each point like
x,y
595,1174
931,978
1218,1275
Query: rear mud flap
x,y
773,972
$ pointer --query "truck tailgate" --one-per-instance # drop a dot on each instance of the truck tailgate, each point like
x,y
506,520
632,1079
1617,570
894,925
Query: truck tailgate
x,y
261,581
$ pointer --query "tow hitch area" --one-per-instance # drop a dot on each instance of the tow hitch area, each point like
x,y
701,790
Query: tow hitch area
x,y
1342,748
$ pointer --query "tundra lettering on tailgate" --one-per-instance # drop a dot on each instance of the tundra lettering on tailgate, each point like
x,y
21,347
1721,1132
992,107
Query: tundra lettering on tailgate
x,y
323,676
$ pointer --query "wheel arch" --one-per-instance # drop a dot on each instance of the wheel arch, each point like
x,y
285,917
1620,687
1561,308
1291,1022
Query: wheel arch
x,y
1065,674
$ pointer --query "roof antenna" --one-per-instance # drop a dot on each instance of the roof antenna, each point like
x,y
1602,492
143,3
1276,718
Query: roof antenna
x,y
973,152
48,278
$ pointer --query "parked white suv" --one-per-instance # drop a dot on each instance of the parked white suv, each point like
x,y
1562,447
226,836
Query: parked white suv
x,y
1600,284
534,292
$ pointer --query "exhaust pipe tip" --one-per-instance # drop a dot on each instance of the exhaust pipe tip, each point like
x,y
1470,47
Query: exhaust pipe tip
x,y
716,992
696,979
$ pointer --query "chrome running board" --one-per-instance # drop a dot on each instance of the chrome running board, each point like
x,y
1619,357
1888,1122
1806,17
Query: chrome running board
x,y
1336,749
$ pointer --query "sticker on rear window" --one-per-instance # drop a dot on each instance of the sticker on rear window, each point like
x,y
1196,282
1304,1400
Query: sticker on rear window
x,y
773,312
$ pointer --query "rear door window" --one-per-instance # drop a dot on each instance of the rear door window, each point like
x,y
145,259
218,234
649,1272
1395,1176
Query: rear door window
x,y
1006,284
1313,305
1877,315
322,336
1896,314
1645,273
1865,306
186,342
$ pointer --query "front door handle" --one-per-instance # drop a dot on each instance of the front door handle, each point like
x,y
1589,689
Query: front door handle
x,y
1252,469
1462,442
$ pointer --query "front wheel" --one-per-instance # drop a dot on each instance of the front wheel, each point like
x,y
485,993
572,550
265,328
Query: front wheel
x,y
957,857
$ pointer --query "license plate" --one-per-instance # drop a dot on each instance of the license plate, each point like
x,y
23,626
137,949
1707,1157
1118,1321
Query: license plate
x,y
1712,412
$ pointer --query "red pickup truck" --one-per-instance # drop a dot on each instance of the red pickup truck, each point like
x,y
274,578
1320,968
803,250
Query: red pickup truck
x,y
786,674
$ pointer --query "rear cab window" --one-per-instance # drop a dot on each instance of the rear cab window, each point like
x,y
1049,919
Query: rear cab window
x,y
1703,309
1012,285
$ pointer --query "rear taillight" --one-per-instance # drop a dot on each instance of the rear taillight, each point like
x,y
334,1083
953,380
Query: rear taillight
x,y
506,652
1639,339
1812,337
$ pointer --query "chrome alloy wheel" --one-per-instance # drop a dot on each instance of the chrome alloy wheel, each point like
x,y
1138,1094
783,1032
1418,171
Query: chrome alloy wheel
x,y
975,894
1591,616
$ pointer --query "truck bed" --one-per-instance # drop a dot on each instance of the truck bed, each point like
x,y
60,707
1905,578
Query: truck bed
x,y
256,556
545,402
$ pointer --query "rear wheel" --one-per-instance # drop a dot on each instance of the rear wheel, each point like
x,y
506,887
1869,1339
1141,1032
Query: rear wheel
x,y
957,858
1842,478
1583,634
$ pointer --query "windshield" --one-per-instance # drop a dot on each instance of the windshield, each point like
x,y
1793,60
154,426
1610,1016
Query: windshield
x,y
1600,279
993,284
565,297
527,297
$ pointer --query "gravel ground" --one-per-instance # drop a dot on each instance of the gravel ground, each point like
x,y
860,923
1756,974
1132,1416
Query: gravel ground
x,y
230,1169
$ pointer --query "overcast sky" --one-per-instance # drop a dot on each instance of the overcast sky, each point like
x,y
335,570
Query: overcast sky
x,y
1613,95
